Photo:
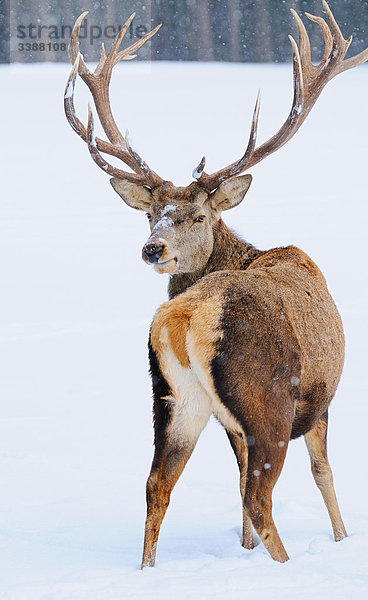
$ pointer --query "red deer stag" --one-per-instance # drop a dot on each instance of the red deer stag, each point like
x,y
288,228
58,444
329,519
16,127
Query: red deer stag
x,y
250,336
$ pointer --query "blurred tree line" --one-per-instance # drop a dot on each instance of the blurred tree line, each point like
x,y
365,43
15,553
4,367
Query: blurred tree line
x,y
248,30
221,30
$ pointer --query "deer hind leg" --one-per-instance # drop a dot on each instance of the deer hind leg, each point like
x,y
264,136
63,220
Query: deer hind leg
x,y
241,452
168,464
178,421
241,408
316,441
265,460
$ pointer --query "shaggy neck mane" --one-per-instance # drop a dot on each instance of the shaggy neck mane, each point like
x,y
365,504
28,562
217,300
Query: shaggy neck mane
x,y
230,253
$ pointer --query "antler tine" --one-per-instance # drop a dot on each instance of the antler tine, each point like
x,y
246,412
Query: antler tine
x,y
298,81
339,42
354,61
119,38
309,80
197,172
212,181
102,60
127,53
73,47
252,139
69,100
98,83
327,37
78,126
112,55
304,43
99,160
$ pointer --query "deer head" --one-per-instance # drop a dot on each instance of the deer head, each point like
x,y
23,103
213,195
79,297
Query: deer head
x,y
183,220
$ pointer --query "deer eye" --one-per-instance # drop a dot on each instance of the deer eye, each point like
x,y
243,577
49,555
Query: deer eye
x,y
149,217
199,219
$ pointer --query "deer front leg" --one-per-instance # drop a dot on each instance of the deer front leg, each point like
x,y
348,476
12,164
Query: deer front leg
x,y
241,452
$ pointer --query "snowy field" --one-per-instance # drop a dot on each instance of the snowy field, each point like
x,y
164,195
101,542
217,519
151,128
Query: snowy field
x,y
76,304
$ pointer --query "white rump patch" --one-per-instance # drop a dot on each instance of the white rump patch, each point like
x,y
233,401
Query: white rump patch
x,y
191,404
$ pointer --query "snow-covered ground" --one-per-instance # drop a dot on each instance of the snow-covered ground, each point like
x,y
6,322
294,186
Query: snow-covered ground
x,y
76,304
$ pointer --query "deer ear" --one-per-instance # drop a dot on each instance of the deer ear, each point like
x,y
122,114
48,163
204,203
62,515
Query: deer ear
x,y
134,194
230,193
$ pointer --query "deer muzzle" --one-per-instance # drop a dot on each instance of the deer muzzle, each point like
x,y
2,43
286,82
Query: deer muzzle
x,y
152,252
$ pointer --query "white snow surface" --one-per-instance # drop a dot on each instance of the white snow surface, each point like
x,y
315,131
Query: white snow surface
x,y
76,304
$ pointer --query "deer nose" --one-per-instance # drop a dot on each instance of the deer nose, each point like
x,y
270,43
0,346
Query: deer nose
x,y
152,252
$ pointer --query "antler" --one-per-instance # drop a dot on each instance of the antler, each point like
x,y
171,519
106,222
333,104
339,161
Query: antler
x,y
309,81
98,83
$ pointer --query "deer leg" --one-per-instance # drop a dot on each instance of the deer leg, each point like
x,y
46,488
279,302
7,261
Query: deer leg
x,y
265,460
178,422
241,452
167,466
316,441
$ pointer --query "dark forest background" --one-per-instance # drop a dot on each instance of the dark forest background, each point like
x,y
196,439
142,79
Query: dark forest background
x,y
221,30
